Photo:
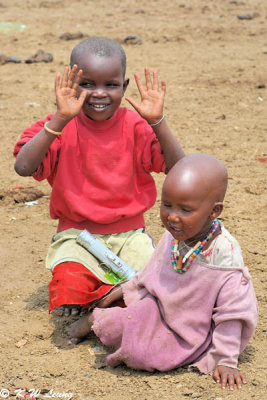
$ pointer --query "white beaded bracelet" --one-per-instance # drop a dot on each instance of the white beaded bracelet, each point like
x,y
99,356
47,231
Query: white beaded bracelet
x,y
157,123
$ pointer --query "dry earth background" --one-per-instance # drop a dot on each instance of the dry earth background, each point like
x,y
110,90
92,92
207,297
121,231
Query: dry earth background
x,y
215,66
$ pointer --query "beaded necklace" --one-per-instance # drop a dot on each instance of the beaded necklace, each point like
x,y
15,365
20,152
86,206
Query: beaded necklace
x,y
182,264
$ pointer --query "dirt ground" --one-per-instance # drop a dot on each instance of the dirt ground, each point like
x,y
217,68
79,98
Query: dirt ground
x,y
215,66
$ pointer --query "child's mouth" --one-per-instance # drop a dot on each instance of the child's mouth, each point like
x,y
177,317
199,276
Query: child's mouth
x,y
98,107
174,228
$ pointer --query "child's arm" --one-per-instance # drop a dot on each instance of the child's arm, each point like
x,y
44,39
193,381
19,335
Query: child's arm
x,y
151,109
114,295
228,376
68,106
235,317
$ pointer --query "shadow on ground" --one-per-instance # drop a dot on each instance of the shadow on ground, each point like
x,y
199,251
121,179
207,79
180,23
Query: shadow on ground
x,y
38,300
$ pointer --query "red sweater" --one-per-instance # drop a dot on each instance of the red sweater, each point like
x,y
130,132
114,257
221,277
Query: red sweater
x,y
100,172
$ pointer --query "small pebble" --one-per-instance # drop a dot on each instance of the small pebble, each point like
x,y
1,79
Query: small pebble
x,y
40,56
31,203
21,343
246,16
32,104
13,59
71,36
132,39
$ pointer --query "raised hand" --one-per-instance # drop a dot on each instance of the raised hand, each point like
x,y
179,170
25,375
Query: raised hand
x,y
228,377
152,97
69,103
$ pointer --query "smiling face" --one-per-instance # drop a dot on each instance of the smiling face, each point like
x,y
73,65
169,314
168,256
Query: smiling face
x,y
189,201
104,83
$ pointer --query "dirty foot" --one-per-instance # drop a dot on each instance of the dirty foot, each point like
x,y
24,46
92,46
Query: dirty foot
x,y
80,329
67,310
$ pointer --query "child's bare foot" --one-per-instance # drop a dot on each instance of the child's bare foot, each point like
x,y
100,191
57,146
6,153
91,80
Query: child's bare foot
x,y
67,310
80,329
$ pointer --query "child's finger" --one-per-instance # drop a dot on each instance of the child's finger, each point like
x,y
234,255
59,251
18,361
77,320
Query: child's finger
x,y
155,85
148,79
231,382
238,381
139,84
57,80
82,97
72,75
216,375
223,381
64,81
77,79
132,102
163,87
243,378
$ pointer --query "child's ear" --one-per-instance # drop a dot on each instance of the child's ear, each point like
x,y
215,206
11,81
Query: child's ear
x,y
125,84
217,210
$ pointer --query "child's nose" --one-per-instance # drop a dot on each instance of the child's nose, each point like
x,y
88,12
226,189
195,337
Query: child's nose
x,y
173,216
99,92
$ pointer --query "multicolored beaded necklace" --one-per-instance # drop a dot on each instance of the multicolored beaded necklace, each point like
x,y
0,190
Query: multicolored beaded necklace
x,y
182,264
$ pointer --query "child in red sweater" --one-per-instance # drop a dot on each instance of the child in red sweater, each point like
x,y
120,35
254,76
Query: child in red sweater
x,y
97,157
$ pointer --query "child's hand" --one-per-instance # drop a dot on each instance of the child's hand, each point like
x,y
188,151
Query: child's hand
x,y
114,295
230,376
152,98
68,104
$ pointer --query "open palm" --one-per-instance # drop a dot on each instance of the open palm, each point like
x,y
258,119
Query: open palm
x,y
69,105
152,97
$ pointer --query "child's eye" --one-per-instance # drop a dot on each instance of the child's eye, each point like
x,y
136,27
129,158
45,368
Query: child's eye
x,y
186,210
112,85
87,85
165,205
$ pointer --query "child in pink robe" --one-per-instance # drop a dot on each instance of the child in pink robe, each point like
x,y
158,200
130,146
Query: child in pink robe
x,y
200,310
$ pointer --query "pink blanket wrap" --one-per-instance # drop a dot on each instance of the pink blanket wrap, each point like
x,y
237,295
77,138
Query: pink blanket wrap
x,y
204,317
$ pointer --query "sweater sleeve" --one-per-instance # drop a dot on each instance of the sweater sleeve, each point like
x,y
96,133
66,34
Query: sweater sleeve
x,y
48,166
148,149
153,158
135,289
234,318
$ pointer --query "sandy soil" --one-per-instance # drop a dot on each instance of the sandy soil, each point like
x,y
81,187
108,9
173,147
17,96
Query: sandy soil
x,y
215,67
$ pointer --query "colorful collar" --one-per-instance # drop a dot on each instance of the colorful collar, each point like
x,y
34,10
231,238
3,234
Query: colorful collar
x,y
182,264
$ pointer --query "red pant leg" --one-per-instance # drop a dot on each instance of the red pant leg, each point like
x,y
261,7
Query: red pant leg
x,y
72,283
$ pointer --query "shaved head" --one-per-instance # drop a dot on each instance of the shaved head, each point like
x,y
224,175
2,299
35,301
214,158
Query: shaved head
x,y
192,196
203,174
98,46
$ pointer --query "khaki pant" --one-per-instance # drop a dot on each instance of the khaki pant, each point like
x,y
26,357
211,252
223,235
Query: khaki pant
x,y
134,247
